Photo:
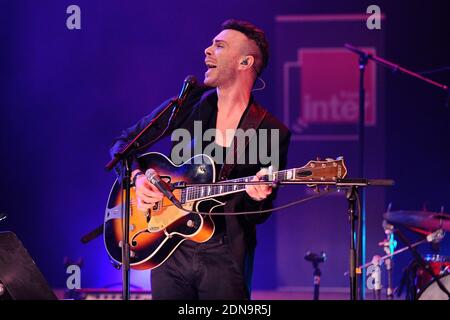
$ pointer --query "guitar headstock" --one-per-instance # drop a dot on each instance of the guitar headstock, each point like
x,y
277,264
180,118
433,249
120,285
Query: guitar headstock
x,y
328,170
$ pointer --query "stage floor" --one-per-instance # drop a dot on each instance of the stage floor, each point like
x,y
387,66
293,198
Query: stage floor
x,y
307,294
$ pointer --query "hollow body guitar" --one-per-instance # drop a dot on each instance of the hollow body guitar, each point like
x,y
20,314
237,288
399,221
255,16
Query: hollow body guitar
x,y
155,234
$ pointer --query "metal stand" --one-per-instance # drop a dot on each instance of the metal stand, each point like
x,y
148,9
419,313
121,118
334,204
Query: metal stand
x,y
351,197
363,60
389,245
126,155
361,234
315,259
436,236
374,280
351,185
126,231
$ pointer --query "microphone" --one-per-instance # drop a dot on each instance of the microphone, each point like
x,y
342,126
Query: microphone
x,y
189,83
315,258
162,186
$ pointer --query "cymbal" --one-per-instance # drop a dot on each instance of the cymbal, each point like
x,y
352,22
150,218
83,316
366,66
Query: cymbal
x,y
426,220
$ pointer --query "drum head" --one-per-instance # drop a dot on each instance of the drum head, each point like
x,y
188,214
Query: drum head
x,y
433,292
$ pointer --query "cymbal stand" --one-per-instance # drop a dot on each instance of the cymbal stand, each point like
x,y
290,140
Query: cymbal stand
x,y
438,235
374,277
389,245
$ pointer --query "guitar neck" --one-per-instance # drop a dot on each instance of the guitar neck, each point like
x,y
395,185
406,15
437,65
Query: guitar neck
x,y
196,193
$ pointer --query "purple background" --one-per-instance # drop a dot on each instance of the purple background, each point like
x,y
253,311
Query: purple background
x,y
66,94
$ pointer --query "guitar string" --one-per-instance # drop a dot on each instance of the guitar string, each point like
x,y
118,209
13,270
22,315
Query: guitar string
x,y
195,191
290,204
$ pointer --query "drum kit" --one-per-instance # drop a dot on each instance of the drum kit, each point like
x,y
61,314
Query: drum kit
x,y
427,277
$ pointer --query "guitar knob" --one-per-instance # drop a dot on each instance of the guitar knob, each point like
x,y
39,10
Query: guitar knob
x,y
202,169
190,224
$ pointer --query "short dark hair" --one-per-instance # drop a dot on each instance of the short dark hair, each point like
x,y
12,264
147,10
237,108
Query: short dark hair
x,y
254,33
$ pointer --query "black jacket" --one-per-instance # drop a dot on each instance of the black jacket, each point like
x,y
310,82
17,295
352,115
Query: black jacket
x,y
202,106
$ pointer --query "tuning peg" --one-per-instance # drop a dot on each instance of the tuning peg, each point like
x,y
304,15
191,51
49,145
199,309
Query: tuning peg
x,y
318,158
340,158
316,189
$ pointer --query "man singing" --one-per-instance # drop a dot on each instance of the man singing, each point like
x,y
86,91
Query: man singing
x,y
220,268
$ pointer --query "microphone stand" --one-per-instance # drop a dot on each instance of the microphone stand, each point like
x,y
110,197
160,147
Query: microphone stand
x,y
389,245
316,259
394,67
126,156
375,277
363,60
438,235
352,197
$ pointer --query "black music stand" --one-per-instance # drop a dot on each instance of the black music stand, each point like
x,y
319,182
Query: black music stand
x,y
20,278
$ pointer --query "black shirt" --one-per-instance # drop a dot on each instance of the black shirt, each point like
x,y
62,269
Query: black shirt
x,y
219,220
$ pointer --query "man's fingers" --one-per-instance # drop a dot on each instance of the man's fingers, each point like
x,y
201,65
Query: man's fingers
x,y
151,193
144,206
259,191
149,199
256,192
262,188
143,193
145,188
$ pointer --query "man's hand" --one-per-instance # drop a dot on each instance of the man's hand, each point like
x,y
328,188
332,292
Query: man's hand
x,y
146,193
259,192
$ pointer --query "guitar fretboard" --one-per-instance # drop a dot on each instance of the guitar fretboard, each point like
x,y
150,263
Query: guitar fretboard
x,y
195,193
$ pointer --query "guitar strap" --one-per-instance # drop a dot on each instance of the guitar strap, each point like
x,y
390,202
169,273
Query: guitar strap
x,y
251,120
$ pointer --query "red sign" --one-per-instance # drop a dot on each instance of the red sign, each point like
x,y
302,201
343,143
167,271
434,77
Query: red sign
x,y
329,87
